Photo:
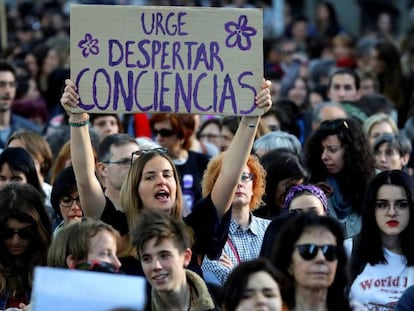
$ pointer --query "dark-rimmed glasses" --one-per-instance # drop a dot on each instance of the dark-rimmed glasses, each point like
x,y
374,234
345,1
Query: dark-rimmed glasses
x,y
96,265
123,162
309,251
67,201
25,233
136,154
163,132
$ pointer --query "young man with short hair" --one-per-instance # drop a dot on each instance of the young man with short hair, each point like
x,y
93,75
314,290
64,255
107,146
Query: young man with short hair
x,y
163,244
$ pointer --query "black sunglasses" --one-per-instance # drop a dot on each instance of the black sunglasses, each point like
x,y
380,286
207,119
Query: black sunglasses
x,y
136,154
96,265
334,124
309,251
163,132
24,234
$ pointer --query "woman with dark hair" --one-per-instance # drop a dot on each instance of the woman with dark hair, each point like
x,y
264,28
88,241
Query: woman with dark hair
x,y
327,23
283,170
65,198
382,256
25,233
310,253
337,153
17,165
298,199
386,63
251,286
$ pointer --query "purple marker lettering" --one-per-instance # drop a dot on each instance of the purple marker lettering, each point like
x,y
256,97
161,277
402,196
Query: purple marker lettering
x,y
227,94
136,88
163,106
78,78
164,55
115,44
146,31
105,75
248,86
128,52
119,88
196,88
181,93
141,48
176,57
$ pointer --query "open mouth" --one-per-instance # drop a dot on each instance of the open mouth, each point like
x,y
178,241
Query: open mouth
x,y
162,195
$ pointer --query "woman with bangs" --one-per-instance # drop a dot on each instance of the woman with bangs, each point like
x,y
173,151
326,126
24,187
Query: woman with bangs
x,y
246,230
153,183
25,233
382,255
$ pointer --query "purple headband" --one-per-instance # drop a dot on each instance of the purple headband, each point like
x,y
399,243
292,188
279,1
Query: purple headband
x,y
316,191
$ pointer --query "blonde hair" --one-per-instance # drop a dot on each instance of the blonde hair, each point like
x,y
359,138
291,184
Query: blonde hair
x,y
131,201
259,180
75,239
373,120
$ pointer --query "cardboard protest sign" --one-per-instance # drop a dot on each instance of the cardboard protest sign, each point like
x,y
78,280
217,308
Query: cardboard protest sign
x,y
128,59
68,290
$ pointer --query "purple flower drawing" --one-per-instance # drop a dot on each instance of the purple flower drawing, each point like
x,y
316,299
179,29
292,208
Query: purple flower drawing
x,y
239,34
89,45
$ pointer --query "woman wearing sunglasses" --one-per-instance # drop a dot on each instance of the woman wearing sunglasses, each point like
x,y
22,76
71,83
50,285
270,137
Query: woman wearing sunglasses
x,y
25,236
298,199
309,252
337,153
153,182
85,245
382,255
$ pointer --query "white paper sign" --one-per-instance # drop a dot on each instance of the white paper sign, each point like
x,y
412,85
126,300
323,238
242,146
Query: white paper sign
x,y
166,59
67,290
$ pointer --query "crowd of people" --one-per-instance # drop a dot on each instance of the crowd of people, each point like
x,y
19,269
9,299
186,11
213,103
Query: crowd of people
x,y
306,207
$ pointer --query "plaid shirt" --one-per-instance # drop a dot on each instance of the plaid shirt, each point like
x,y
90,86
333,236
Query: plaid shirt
x,y
242,245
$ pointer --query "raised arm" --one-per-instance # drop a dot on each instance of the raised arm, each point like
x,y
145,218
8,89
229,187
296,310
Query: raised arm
x,y
237,154
90,191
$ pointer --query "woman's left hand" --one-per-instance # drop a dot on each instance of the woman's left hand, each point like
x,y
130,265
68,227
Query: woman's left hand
x,y
263,100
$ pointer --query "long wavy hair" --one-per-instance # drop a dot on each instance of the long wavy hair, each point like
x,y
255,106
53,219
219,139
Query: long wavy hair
x,y
368,247
282,253
358,167
23,203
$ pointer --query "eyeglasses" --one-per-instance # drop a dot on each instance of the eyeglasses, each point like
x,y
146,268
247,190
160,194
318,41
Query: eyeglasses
x,y
163,132
246,177
12,84
25,233
386,205
123,162
136,154
68,201
96,265
309,251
